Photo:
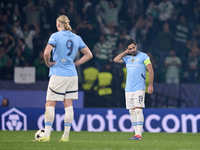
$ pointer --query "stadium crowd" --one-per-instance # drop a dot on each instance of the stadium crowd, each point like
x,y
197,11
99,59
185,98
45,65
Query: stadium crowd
x,y
167,30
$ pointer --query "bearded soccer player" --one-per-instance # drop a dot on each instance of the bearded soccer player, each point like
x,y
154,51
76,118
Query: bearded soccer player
x,y
136,64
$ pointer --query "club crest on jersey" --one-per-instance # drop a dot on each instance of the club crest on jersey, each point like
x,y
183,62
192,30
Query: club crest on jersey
x,y
132,60
137,59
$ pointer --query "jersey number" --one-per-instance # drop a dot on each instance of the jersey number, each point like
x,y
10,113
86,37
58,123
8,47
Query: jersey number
x,y
70,47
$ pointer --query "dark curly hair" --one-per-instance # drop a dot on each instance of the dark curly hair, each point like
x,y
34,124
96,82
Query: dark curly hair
x,y
129,42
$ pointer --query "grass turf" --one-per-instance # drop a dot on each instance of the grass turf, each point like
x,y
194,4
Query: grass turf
x,y
22,140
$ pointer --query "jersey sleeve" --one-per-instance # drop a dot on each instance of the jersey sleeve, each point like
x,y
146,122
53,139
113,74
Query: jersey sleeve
x,y
81,44
124,59
52,40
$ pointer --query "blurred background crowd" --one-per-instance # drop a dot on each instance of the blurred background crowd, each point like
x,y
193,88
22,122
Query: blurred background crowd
x,y
167,30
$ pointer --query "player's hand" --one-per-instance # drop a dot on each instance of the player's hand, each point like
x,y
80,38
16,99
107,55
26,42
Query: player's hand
x,y
49,64
150,89
126,51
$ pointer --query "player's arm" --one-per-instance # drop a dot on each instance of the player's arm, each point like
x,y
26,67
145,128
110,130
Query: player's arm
x,y
87,55
47,55
118,58
151,75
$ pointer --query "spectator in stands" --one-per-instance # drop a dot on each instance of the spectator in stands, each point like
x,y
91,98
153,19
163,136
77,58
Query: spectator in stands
x,y
193,47
111,10
196,11
28,35
5,102
66,7
3,57
9,44
5,21
144,31
120,48
124,35
149,32
134,8
102,52
186,9
16,17
181,38
194,39
4,34
26,52
193,63
152,9
165,40
47,23
33,13
85,30
136,32
41,69
165,8
88,10
117,67
172,64
19,58
112,36
7,72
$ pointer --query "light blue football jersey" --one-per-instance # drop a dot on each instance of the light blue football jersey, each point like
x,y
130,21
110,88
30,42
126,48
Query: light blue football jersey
x,y
136,71
66,44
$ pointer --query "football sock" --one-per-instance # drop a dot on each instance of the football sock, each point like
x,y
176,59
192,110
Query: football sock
x,y
140,120
49,118
133,119
69,115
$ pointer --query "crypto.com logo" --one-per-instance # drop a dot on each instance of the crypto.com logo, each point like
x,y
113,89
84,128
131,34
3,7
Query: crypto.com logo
x,y
14,119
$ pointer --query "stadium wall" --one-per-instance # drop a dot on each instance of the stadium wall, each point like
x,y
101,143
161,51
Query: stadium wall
x,y
98,120
35,99
24,95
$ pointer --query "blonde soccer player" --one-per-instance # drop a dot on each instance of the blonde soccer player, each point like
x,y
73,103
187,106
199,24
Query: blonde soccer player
x,y
63,82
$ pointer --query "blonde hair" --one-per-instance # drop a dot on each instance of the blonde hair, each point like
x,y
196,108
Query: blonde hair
x,y
65,21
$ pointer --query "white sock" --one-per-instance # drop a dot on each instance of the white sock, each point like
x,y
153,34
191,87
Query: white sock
x,y
140,121
133,119
49,118
69,115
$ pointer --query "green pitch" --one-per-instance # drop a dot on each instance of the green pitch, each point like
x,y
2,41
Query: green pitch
x,y
22,140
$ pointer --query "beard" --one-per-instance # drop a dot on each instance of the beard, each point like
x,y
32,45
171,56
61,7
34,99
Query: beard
x,y
134,53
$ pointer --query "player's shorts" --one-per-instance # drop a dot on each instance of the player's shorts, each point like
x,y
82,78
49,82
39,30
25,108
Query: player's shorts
x,y
135,99
62,87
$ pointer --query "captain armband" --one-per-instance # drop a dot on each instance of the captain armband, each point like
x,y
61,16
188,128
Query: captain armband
x,y
147,61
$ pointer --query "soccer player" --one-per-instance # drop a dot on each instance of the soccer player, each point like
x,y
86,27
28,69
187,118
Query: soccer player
x,y
136,63
63,83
